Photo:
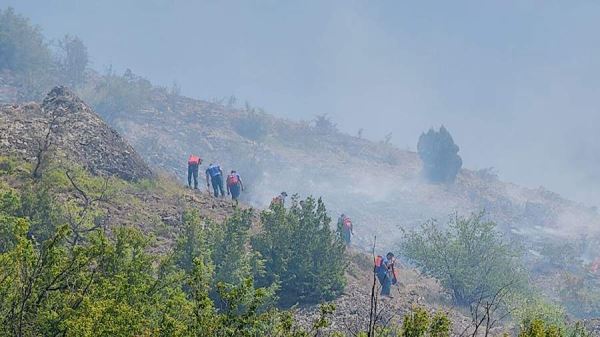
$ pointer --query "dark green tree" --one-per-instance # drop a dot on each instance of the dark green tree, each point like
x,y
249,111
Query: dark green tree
x,y
439,153
301,252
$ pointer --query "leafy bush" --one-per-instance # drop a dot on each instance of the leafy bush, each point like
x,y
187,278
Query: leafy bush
x,y
539,328
441,162
419,323
469,257
301,252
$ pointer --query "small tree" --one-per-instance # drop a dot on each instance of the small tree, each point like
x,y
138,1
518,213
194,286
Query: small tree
x,y
324,125
469,257
441,162
72,60
301,252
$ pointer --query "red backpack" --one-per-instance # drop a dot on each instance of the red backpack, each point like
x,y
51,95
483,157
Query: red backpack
x,y
194,160
233,179
347,223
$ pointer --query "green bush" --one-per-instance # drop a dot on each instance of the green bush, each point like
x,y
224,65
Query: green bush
x,y
419,323
468,256
539,328
441,162
301,252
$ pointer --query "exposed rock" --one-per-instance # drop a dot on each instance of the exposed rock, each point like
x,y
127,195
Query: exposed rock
x,y
71,129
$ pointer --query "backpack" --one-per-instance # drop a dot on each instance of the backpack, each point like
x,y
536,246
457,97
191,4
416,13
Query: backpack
x,y
233,179
347,223
194,160
214,171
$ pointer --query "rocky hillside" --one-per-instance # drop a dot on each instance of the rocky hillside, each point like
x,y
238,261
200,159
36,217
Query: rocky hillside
x,y
378,185
65,131
64,124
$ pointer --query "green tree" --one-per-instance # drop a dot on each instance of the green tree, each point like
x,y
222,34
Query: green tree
x,y
72,60
25,53
468,256
301,252
439,153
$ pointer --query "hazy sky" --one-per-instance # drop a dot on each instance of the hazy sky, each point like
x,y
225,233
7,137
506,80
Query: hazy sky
x,y
516,82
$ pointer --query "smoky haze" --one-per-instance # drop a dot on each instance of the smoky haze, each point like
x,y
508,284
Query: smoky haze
x,y
517,83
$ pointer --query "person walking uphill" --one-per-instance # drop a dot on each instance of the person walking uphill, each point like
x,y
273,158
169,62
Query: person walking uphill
x,y
386,274
214,176
193,164
234,185
345,228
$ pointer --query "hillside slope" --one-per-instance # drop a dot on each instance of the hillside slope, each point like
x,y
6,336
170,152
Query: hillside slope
x,y
65,132
378,185
156,204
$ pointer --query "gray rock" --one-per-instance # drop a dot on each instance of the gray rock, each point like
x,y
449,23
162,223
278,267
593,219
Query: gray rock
x,y
74,132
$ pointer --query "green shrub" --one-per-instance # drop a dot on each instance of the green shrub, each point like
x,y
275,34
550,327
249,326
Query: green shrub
x,y
419,323
301,252
441,162
540,328
468,256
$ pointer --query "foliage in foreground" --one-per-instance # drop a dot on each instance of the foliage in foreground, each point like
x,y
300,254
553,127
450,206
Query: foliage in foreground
x,y
62,272
302,254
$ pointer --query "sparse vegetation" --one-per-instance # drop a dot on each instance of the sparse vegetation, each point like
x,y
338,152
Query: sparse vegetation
x,y
71,60
323,125
253,125
114,95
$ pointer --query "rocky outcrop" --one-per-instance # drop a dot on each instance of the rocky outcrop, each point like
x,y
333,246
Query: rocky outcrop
x,y
66,126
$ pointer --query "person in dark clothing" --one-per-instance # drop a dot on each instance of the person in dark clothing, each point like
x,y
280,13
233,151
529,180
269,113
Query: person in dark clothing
x,y
214,176
193,164
345,228
384,269
234,185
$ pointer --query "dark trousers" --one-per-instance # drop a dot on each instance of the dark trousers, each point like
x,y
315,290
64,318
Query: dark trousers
x,y
193,172
346,235
217,184
386,282
235,191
